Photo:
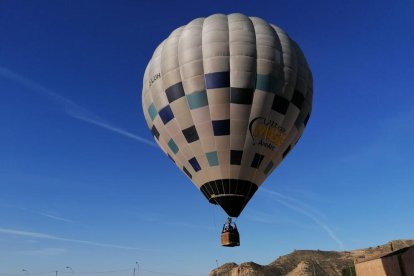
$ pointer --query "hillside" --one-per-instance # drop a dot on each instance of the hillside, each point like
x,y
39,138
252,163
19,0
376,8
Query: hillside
x,y
309,262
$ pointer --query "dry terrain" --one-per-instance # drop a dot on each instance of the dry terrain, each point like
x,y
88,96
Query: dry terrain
x,y
310,262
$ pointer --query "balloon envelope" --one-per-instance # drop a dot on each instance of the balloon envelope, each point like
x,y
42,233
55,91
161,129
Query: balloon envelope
x,y
226,98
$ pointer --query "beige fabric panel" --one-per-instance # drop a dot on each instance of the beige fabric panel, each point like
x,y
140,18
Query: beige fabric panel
x,y
190,60
216,58
289,57
284,133
268,51
172,77
215,44
150,88
242,81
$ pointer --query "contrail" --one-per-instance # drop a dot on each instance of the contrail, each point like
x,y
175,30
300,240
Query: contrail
x,y
51,237
112,128
69,107
306,210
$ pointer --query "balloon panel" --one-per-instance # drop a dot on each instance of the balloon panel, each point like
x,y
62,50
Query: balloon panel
x,y
227,98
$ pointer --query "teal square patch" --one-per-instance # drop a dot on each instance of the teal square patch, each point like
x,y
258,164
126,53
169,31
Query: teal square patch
x,y
173,146
197,99
212,158
152,111
266,83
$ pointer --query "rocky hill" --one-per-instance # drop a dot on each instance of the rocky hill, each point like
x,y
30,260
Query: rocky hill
x,y
310,262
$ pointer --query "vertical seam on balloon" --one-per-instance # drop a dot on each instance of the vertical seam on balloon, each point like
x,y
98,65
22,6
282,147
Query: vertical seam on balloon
x,y
160,141
229,165
284,85
194,178
209,180
288,142
261,151
150,95
208,170
228,45
180,162
214,137
302,63
246,199
203,170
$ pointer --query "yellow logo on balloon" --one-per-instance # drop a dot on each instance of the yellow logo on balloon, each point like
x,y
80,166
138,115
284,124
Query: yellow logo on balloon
x,y
273,135
267,133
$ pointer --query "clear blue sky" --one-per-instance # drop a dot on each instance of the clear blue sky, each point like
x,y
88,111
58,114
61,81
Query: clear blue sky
x,y
81,187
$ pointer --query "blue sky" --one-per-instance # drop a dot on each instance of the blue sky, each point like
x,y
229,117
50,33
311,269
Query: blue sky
x,y
82,184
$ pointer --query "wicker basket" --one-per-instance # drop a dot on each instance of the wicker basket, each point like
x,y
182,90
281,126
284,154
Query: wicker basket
x,y
230,238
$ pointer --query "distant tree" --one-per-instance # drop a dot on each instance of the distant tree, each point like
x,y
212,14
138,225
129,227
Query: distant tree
x,y
349,271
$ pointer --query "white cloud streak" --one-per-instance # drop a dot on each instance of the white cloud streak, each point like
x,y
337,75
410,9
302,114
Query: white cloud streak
x,y
40,213
54,217
69,107
37,235
305,210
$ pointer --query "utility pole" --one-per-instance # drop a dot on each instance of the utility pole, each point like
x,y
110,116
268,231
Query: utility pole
x,y
71,270
56,272
313,266
137,269
27,272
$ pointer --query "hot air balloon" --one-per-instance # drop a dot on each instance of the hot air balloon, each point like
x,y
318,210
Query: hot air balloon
x,y
226,98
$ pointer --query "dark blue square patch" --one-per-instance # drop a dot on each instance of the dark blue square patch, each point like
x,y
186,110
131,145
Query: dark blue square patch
x,y
221,127
166,114
194,163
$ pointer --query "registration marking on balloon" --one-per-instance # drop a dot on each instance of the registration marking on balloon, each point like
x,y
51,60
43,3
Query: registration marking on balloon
x,y
267,133
154,78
